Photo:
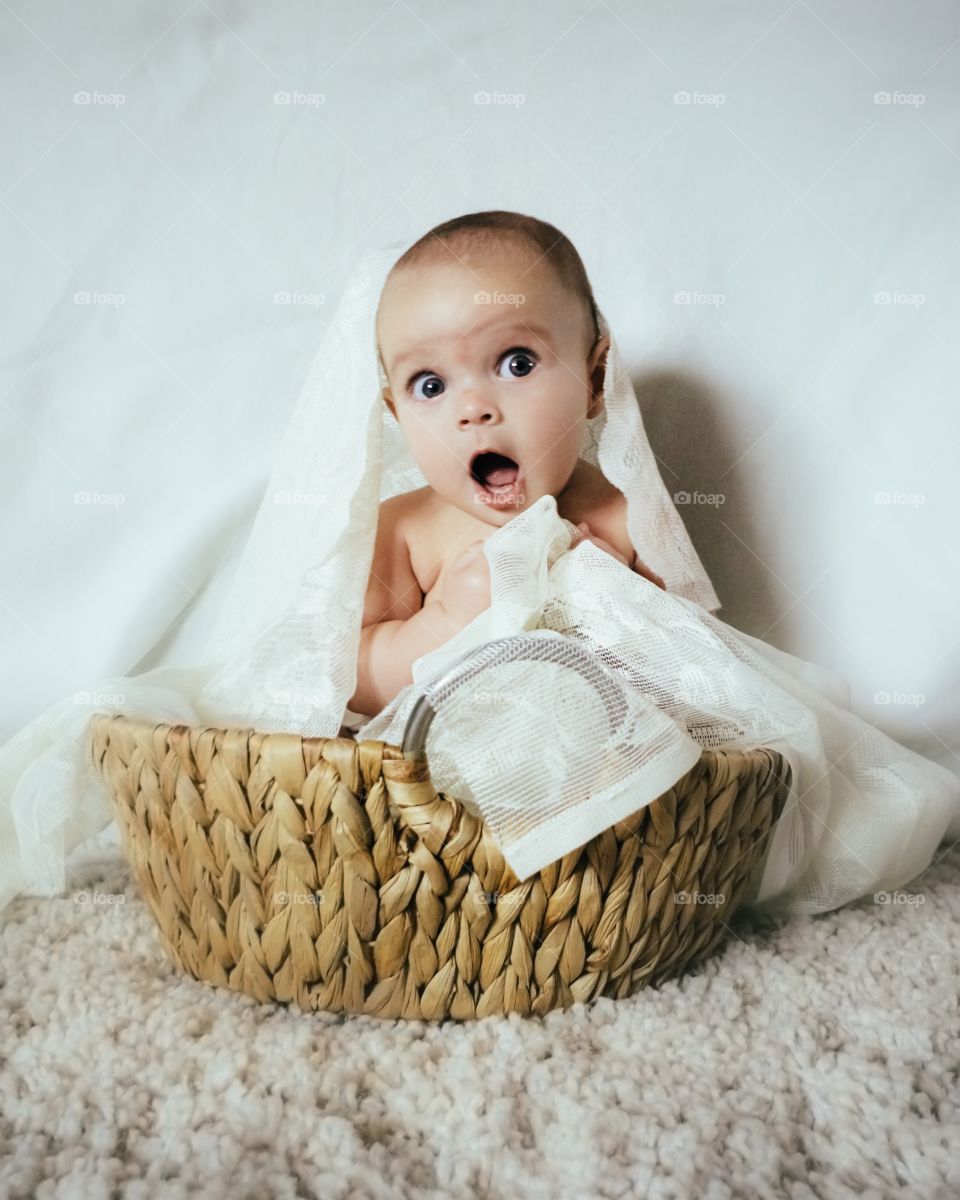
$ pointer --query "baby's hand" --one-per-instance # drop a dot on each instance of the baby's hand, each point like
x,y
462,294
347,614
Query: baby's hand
x,y
465,588
637,565
586,535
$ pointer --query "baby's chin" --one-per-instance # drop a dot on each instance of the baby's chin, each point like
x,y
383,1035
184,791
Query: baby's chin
x,y
491,509
499,515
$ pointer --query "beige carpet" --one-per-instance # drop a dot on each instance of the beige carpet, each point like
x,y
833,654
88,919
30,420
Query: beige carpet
x,y
818,1059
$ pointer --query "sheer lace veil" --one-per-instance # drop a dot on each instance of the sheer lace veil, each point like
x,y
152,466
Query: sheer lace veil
x,y
282,654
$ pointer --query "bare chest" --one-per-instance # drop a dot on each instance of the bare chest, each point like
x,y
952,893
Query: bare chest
x,y
436,536
438,533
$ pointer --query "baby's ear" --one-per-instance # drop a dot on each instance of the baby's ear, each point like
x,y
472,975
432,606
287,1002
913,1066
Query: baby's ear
x,y
596,370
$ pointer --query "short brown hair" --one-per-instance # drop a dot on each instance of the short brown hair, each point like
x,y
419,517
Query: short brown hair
x,y
484,230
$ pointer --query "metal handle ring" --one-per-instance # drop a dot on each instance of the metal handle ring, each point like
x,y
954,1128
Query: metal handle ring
x,y
517,647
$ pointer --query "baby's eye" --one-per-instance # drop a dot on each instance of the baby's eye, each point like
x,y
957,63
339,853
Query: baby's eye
x,y
519,362
428,381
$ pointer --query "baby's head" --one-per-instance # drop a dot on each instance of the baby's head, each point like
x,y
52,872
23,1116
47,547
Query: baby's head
x,y
487,333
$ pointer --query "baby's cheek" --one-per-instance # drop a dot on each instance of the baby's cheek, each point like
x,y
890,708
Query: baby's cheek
x,y
557,425
558,445
437,465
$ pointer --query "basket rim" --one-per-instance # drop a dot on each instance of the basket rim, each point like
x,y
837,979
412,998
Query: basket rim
x,y
134,721
391,752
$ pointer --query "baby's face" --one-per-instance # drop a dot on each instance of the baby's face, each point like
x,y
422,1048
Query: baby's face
x,y
490,355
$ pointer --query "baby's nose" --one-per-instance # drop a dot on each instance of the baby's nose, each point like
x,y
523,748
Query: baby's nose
x,y
484,414
477,406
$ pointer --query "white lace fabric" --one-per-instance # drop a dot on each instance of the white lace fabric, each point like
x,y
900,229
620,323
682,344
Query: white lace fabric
x,y
866,813
295,613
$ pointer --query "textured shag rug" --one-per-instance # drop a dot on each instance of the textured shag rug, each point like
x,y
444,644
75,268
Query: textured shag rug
x,y
814,1058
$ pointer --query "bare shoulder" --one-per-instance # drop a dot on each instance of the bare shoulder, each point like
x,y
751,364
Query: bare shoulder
x,y
604,508
411,513
588,493
393,592
608,518
400,511
610,522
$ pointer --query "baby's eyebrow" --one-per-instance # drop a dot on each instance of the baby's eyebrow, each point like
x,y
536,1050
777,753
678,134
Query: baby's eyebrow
x,y
427,350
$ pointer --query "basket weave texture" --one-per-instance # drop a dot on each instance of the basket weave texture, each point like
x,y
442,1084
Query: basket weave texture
x,y
330,874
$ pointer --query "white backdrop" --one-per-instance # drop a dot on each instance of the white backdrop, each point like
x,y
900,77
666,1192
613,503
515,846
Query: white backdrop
x,y
765,198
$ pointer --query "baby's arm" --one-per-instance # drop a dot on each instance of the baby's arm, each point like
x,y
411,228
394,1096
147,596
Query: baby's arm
x,y
396,629
388,650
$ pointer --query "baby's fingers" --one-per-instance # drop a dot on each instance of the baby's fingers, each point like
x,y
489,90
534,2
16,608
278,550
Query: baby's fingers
x,y
601,543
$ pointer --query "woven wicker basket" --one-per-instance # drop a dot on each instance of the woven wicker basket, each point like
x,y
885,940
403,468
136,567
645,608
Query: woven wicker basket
x,y
329,873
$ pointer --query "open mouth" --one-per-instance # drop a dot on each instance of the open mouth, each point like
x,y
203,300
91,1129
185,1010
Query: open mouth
x,y
497,479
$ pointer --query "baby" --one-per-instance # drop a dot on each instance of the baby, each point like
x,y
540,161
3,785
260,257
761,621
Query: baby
x,y
488,337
